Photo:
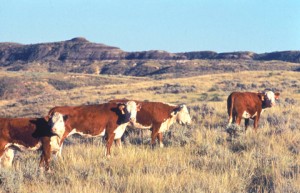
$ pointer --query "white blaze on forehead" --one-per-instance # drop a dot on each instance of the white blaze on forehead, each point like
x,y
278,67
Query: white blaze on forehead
x,y
131,108
270,96
58,124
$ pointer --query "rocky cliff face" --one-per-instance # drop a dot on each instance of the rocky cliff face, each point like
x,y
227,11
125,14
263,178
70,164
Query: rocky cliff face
x,y
74,49
81,49
78,55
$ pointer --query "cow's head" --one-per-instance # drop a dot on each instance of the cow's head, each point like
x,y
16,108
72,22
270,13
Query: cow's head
x,y
269,98
182,115
129,111
56,121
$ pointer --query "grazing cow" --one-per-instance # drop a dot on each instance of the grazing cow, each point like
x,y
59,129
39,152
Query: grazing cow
x,y
249,105
26,134
158,117
108,119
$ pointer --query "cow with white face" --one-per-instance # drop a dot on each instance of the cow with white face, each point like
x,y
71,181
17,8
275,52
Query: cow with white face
x,y
57,127
158,117
109,119
249,105
269,99
182,115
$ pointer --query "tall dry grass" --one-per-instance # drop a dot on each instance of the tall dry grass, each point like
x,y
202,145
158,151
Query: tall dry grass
x,y
198,158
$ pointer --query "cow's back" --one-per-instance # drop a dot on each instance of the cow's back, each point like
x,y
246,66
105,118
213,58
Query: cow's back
x,y
238,102
154,112
89,118
23,131
151,112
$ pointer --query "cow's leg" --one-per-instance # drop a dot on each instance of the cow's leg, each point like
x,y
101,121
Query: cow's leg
x,y
230,120
7,157
118,143
142,136
59,153
160,139
2,153
153,136
238,120
110,140
246,124
46,154
256,119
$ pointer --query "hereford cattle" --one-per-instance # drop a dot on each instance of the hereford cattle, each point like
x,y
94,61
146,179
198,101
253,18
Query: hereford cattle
x,y
109,119
158,117
249,105
26,134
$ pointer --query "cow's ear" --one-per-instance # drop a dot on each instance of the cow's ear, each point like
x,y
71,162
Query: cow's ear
x,y
47,118
174,113
121,108
65,117
261,96
277,95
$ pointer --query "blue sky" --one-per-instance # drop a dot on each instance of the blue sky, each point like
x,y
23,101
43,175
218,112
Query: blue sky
x,y
172,25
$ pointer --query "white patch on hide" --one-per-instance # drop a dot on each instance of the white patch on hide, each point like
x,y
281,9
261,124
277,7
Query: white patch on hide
x,y
119,131
74,131
166,124
23,148
247,115
54,143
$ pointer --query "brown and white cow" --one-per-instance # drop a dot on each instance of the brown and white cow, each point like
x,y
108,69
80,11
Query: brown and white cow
x,y
249,105
109,119
158,117
26,134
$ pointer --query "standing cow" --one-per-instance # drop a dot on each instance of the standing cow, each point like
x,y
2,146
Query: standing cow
x,y
158,117
108,119
249,105
26,134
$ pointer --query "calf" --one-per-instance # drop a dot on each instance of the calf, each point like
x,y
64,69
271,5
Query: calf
x,y
26,134
108,119
249,105
158,117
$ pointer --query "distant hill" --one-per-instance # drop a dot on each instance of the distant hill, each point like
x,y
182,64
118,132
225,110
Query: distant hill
x,y
80,55
81,49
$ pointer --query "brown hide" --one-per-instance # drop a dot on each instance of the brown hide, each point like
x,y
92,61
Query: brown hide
x,y
27,132
92,120
239,102
152,114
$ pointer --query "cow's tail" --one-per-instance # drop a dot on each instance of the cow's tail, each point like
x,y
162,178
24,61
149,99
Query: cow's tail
x,y
230,102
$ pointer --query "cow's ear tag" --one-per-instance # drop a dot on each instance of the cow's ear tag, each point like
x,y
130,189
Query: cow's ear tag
x,y
262,98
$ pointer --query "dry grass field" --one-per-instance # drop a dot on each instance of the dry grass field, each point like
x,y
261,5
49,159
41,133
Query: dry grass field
x,y
197,158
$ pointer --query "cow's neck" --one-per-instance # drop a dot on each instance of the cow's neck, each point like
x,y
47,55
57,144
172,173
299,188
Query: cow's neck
x,y
264,105
167,123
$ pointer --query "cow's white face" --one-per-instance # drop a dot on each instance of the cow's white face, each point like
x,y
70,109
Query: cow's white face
x,y
57,124
183,115
131,110
270,98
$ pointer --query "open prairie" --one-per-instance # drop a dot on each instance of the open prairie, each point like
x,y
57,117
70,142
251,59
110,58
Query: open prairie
x,y
197,158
